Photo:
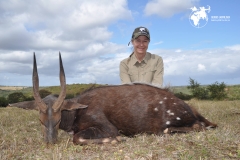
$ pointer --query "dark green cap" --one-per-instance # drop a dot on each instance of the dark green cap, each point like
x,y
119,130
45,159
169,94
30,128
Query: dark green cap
x,y
140,31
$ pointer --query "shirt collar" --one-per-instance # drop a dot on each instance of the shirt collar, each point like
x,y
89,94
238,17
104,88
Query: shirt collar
x,y
145,59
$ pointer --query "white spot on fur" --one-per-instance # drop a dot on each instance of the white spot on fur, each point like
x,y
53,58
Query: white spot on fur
x,y
71,132
165,131
106,140
170,113
178,118
168,122
210,127
171,98
114,141
174,103
165,98
156,109
81,140
161,102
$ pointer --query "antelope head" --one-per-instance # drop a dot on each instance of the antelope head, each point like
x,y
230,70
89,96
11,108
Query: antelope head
x,y
49,111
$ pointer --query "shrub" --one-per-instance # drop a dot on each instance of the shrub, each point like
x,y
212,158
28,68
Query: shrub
x,y
69,96
16,97
214,91
43,93
198,91
29,98
3,102
217,91
183,96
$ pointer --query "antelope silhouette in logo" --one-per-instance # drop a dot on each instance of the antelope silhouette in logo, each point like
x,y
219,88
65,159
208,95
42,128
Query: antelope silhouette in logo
x,y
103,114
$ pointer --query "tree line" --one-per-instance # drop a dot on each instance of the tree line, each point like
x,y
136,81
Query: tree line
x,y
215,91
20,97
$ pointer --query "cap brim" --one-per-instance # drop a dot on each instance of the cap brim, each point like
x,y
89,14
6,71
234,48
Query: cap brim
x,y
141,34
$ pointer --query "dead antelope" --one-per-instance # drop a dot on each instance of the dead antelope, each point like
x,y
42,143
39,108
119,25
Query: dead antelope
x,y
104,113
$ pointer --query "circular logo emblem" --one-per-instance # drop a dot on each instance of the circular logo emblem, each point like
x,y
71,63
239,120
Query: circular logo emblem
x,y
198,18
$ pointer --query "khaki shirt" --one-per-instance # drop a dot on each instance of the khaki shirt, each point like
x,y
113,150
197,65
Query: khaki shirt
x,y
150,70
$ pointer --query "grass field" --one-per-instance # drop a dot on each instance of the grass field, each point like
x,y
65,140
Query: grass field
x,y
232,91
11,88
20,138
6,90
73,89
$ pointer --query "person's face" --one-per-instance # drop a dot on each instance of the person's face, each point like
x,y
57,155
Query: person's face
x,y
140,44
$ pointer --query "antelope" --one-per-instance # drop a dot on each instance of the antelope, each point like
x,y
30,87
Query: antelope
x,y
103,114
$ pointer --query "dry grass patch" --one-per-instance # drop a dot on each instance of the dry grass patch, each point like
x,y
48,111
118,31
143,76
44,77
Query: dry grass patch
x,y
21,139
11,87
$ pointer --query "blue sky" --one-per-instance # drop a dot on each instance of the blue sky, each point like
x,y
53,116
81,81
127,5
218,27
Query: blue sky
x,y
93,36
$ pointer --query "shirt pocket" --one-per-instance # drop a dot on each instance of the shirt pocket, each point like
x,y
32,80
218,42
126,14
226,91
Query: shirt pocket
x,y
133,74
148,74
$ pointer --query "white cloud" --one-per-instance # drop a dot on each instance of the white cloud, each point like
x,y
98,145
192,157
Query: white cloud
x,y
178,50
157,43
5,77
80,30
234,47
63,25
89,68
167,8
232,67
207,65
201,67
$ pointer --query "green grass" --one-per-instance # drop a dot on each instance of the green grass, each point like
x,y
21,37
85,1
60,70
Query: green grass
x,y
73,89
233,91
183,89
20,138
25,91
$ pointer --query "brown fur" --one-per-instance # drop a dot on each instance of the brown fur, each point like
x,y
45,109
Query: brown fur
x,y
102,114
111,111
133,109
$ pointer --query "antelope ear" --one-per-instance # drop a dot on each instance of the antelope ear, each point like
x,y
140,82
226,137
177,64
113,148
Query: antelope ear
x,y
25,105
68,105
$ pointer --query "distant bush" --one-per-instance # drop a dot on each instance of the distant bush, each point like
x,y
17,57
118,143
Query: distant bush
x,y
29,98
3,102
217,91
196,90
183,96
43,93
69,96
233,92
16,97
